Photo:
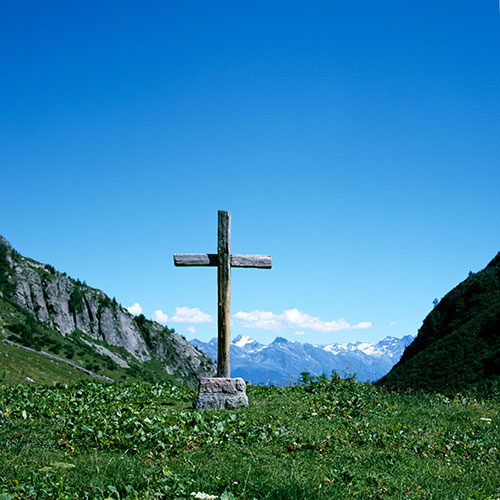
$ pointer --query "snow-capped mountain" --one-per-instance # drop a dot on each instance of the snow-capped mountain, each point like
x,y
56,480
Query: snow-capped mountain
x,y
282,361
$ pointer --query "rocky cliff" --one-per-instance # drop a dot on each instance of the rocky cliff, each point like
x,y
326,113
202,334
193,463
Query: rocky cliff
x,y
68,306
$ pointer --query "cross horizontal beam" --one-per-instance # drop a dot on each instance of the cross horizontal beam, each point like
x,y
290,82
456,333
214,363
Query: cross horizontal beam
x,y
223,261
196,259
212,259
259,261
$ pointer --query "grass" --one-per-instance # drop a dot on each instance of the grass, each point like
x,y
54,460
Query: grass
x,y
17,364
326,438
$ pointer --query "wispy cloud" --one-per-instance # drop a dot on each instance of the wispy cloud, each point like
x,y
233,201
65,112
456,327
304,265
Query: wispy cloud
x,y
392,323
191,329
160,316
292,318
136,309
190,315
361,326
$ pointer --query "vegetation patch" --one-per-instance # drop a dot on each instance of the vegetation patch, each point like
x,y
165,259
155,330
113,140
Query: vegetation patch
x,y
325,438
7,286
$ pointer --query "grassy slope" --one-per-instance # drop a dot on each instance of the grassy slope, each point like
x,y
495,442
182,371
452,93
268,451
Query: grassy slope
x,y
325,439
17,364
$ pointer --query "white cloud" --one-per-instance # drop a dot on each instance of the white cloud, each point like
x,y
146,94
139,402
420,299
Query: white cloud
x,y
299,332
361,326
292,318
392,323
136,309
160,316
188,315
191,329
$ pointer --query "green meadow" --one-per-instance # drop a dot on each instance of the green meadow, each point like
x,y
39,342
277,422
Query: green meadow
x,y
325,438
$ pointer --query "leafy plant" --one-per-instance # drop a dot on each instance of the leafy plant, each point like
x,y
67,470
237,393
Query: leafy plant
x,y
326,438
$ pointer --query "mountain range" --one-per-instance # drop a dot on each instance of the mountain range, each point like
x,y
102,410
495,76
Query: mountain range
x,y
46,314
56,329
282,361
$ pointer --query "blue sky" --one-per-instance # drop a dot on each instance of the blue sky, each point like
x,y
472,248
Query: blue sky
x,y
358,143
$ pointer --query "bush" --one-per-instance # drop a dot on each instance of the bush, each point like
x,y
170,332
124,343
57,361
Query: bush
x,y
50,269
75,302
55,347
69,351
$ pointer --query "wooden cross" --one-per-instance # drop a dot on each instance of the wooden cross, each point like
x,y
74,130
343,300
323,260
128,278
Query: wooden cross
x,y
224,261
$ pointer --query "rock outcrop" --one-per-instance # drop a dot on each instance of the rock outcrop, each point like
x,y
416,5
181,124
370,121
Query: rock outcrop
x,y
67,305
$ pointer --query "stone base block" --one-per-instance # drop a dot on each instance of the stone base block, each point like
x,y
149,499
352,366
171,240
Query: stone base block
x,y
221,393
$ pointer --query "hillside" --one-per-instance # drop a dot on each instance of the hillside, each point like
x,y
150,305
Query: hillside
x,y
458,345
48,311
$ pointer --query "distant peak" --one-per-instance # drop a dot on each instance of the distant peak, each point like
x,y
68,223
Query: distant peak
x,y
280,340
242,340
391,338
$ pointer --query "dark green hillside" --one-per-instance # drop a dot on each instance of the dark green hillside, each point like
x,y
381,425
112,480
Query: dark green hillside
x,y
458,345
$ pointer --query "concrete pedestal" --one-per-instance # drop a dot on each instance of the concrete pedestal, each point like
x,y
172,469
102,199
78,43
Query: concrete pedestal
x,y
221,393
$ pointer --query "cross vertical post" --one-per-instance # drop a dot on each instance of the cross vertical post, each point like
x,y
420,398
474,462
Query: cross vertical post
x,y
224,261
224,293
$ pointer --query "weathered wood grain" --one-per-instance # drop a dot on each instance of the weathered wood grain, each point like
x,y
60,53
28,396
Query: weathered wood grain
x,y
196,259
212,259
259,261
223,260
224,292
